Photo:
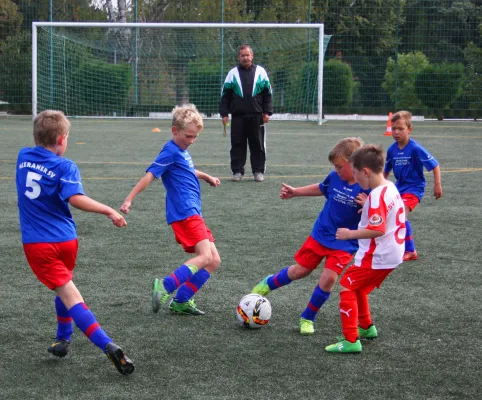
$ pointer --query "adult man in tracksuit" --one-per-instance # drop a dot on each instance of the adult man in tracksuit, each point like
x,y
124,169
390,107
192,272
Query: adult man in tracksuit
x,y
247,96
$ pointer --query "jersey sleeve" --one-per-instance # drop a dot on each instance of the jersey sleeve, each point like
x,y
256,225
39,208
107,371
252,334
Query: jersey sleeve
x,y
325,185
377,212
70,181
161,164
426,158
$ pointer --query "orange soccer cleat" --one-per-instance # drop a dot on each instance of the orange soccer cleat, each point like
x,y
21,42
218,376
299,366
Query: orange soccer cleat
x,y
410,256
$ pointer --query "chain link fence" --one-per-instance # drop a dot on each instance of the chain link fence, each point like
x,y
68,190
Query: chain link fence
x,y
420,55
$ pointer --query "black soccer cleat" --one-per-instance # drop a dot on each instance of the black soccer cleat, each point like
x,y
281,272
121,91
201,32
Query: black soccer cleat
x,y
60,348
123,364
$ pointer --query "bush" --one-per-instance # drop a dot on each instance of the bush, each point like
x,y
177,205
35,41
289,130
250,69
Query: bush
x,y
56,75
402,90
337,85
202,78
15,69
473,82
101,88
439,85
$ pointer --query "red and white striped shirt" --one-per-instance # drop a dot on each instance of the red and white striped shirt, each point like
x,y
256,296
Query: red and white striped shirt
x,y
383,211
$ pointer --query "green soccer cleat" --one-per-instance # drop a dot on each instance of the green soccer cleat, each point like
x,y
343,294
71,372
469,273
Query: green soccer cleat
x,y
187,308
262,288
60,348
370,333
344,346
159,294
123,364
306,327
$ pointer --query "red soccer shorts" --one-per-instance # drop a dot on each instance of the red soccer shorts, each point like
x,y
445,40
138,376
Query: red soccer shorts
x,y
312,253
410,200
363,279
52,263
190,231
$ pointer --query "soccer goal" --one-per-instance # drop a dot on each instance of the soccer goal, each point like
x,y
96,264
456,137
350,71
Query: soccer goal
x,y
142,70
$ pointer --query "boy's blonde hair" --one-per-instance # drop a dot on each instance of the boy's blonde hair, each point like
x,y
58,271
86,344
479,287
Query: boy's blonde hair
x,y
48,126
404,115
345,148
369,156
186,114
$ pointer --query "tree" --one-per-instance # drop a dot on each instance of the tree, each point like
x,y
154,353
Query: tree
x,y
364,33
15,69
439,85
63,10
121,15
402,90
11,19
448,23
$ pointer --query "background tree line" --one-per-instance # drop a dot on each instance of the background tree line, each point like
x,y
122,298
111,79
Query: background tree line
x,y
388,45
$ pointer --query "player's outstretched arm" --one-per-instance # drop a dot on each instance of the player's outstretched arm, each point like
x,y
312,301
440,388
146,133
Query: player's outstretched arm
x,y
287,191
87,204
348,234
140,186
437,183
212,180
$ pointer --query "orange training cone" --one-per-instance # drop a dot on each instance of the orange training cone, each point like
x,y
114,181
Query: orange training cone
x,y
388,129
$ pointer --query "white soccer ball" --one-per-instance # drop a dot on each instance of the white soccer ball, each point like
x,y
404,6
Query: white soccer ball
x,y
253,311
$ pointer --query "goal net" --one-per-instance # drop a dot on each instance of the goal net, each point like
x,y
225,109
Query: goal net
x,y
145,69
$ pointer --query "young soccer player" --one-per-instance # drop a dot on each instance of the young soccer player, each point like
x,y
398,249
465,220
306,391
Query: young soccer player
x,y
407,159
46,185
344,198
381,236
183,212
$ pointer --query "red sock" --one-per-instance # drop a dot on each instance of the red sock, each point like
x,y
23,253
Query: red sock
x,y
364,317
349,315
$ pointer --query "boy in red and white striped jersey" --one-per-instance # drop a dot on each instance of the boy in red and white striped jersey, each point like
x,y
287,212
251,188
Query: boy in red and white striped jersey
x,y
381,240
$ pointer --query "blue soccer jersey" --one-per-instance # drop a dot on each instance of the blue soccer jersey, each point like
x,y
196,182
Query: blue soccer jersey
x,y
407,165
45,182
340,211
183,191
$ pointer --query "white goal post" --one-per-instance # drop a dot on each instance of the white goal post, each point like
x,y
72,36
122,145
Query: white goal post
x,y
142,70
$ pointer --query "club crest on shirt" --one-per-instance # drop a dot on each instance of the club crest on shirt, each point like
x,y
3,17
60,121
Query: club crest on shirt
x,y
375,220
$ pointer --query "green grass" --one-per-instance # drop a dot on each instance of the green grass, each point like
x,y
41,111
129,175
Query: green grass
x,y
427,312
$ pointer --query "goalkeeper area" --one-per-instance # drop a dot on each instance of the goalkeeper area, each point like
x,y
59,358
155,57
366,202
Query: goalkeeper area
x,y
145,69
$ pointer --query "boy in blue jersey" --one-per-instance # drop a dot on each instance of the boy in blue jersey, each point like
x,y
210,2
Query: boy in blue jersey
x,y
407,159
183,212
344,200
46,185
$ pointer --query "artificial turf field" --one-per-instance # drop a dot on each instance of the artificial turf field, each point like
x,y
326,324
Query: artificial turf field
x,y
427,312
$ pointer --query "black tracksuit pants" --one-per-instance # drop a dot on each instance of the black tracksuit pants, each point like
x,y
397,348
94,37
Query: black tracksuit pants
x,y
248,129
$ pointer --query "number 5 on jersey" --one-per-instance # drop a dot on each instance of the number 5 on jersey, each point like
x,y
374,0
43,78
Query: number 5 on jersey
x,y
32,178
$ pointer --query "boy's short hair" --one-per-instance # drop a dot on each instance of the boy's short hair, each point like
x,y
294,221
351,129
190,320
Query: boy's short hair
x,y
405,115
186,114
369,156
48,126
345,148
